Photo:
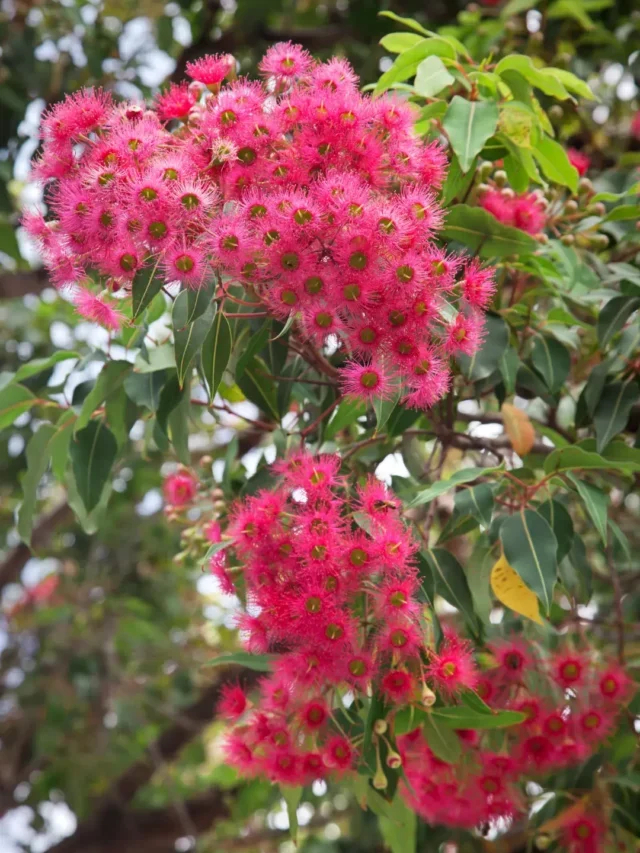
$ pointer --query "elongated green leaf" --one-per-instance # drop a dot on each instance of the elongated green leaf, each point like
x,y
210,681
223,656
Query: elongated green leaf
x,y
346,414
109,380
258,663
216,351
38,365
481,232
542,78
406,22
292,796
530,547
38,456
399,42
384,409
552,361
399,829
145,286
93,452
198,301
443,742
458,717
450,581
487,359
625,459
554,162
144,388
406,64
254,345
613,317
442,486
561,523
468,125
14,401
477,502
596,503
257,387
189,337
431,77
611,415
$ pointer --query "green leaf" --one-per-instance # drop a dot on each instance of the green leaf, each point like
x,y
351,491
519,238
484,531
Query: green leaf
x,y
613,317
216,351
457,183
93,452
530,547
596,503
552,361
561,523
399,42
477,502
292,796
258,663
144,388
458,717
442,741
406,64
623,458
570,9
258,388
256,342
198,301
347,413
468,125
515,7
555,164
215,548
38,455
406,22
623,213
509,365
399,829
431,77
189,337
450,581
38,365
442,486
611,415
145,286
14,401
486,360
384,409
542,78
109,380
481,232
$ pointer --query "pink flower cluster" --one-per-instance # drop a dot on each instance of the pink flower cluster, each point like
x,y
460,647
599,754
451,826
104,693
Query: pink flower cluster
x,y
316,198
331,590
525,211
571,704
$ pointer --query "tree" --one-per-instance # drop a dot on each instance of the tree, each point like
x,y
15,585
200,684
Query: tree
x,y
486,697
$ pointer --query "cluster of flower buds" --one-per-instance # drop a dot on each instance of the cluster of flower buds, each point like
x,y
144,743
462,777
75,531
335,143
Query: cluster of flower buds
x,y
319,200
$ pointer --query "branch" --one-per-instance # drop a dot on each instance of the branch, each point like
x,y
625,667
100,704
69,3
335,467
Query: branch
x,y
15,560
110,811
13,285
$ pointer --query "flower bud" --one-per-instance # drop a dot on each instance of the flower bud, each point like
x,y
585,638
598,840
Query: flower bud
x,y
567,239
428,696
206,461
500,177
485,168
380,727
585,186
571,206
394,760
380,780
597,209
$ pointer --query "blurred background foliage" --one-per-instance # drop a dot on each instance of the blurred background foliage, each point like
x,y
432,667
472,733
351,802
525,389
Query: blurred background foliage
x,y
106,714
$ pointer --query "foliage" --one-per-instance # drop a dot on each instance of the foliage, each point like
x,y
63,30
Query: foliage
x,y
520,483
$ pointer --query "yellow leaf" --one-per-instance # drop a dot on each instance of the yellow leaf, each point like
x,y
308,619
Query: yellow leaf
x,y
519,429
510,590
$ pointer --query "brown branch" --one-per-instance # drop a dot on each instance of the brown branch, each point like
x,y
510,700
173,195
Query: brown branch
x,y
14,285
15,560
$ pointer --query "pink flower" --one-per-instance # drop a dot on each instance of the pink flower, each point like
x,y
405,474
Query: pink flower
x,y
366,381
635,125
94,308
579,160
285,61
453,669
175,103
211,70
180,488
233,702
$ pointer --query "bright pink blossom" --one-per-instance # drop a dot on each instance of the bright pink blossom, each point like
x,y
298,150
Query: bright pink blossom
x,y
180,488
